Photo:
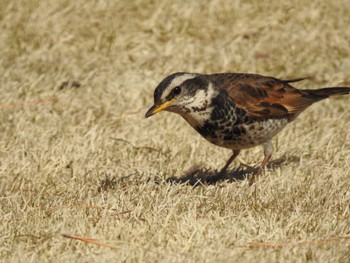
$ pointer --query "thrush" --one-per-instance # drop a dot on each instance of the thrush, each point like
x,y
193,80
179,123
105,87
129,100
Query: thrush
x,y
236,110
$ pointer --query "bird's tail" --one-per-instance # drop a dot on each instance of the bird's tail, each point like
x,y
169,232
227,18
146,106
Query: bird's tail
x,y
327,92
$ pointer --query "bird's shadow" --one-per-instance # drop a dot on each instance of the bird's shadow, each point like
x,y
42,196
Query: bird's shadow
x,y
197,176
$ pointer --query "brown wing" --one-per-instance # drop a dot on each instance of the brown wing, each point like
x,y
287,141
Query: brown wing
x,y
264,97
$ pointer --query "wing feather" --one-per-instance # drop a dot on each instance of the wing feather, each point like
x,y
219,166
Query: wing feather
x,y
267,97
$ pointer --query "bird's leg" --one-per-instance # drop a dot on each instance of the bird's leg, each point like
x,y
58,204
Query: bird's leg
x,y
234,155
268,150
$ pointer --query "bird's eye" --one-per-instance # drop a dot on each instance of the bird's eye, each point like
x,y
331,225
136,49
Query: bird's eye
x,y
176,91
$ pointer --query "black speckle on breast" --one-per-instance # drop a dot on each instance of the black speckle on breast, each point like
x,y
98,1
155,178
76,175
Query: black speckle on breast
x,y
223,108
218,114
228,137
234,133
239,130
208,129
242,117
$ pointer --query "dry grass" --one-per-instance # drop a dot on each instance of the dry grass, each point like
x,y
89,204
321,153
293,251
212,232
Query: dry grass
x,y
82,161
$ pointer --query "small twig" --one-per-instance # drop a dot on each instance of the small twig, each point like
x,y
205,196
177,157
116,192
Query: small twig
x,y
55,208
30,236
34,101
88,240
300,243
136,147
42,100
59,207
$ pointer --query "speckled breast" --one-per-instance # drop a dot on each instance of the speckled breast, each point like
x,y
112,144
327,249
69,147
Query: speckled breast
x,y
241,136
230,127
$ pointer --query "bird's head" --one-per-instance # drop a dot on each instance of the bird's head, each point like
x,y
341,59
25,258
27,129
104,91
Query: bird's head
x,y
181,93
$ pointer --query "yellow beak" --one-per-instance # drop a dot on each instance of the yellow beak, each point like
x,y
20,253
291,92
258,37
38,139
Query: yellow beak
x,y
157,108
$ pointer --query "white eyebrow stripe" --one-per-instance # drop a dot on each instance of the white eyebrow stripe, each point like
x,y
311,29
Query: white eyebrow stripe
x,y
181,79
177,81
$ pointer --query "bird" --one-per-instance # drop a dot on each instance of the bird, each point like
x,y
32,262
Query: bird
x,y
236,111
